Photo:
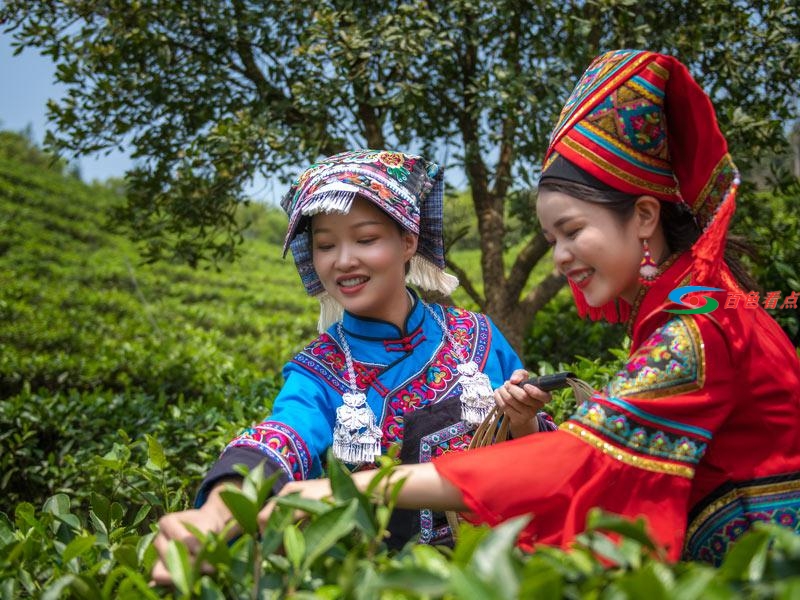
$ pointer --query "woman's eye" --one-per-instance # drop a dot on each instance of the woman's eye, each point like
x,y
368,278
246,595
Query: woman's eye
x,y
368,240
571,234
323,247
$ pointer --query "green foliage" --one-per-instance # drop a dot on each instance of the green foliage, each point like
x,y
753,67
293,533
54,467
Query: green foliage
x,y
54,552
209,94
771,223
96,349
20,147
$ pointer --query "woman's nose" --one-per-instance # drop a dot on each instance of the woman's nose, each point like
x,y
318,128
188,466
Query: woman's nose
x,y
562,257
346,257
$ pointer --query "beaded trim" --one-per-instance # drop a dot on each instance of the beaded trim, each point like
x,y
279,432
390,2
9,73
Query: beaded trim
x,y
624,456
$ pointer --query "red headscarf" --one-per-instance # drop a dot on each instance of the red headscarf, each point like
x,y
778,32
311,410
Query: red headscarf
x,y
639,123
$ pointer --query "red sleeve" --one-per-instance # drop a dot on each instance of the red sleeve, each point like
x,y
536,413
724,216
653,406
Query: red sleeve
x,y
631,450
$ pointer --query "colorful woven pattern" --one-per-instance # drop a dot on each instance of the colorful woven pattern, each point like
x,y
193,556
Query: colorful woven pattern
x,y
639,123
718,522
638,438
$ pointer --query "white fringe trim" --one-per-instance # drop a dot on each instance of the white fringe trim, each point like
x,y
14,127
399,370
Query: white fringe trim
x,y
426,275
330,199
330,312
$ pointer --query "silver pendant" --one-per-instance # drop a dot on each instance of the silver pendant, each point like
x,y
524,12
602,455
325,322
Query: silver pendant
x,y
356,438
477,395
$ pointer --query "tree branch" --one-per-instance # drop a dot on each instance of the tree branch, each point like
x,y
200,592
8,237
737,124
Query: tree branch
x,y
542,293
506,157
265,89
531,254
368,114
466,283
490,215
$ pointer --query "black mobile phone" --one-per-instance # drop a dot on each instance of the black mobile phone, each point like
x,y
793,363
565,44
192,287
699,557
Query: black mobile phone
x,y
549,383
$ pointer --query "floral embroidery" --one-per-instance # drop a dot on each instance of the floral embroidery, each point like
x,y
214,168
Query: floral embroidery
x,y
609,419
671,361
279,442
438,380
394,163
384,192
325,358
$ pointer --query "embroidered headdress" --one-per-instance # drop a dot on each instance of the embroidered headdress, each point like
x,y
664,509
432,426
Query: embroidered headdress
x,y
639,123
408,188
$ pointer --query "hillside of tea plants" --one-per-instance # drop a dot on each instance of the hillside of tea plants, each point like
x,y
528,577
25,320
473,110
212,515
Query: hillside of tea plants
x,y
120,382
97,349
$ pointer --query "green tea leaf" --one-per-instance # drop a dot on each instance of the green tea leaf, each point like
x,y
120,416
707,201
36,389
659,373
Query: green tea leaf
x,y
77,547
746,560
156,458
295,545
243,509
328,529
179,567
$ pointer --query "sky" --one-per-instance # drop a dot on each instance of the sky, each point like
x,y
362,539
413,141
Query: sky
x,y
28,81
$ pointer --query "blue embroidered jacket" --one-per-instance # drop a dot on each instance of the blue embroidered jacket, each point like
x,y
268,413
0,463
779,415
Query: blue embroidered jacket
x,y
411,384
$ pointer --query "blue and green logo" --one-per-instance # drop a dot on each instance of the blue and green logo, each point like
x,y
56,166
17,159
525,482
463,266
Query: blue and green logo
x,y
708,303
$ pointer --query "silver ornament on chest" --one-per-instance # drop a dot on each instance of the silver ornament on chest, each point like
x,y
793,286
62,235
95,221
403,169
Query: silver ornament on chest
x,y
356,438
477,396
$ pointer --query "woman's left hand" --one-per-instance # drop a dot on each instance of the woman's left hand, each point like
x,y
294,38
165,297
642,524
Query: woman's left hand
x,y
314,489
520,405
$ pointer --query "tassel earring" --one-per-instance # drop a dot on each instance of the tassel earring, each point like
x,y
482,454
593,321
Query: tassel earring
x,y
648,269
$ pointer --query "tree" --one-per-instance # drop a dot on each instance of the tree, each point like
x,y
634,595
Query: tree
x,y
207,94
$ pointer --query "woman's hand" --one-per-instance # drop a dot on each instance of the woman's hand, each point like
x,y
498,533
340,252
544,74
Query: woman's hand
x,y
520,405
313,489
212,517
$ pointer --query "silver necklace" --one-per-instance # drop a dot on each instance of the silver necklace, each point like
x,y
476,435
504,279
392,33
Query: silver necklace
x,y
356,438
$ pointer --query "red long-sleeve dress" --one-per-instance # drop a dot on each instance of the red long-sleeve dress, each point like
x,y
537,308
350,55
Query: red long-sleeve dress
x,y
699,433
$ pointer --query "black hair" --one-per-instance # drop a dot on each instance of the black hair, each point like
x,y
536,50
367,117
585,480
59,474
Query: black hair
x,y
680,228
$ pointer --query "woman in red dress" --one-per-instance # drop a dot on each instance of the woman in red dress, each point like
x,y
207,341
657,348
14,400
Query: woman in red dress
x,y
698,433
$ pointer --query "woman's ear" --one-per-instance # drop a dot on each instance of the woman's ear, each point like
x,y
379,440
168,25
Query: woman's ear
x,y
647,216
410,241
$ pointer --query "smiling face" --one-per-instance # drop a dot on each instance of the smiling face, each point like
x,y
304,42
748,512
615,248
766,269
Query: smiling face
x,y
360,258
592,245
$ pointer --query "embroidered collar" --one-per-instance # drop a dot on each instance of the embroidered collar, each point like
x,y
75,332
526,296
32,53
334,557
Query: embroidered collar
x,y
376,329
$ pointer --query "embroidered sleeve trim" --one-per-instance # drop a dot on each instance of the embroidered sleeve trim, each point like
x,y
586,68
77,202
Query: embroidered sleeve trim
x,y
621,405
633,433
625,456
279,442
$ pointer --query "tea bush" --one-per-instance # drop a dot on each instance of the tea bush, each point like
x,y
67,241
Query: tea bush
x,y
338,552
120,382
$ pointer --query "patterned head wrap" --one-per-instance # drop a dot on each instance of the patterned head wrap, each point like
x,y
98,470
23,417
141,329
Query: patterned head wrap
x,y
639,123
408,188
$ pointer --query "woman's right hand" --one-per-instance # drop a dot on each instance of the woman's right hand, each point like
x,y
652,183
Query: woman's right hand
x,y
212,517
521,404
